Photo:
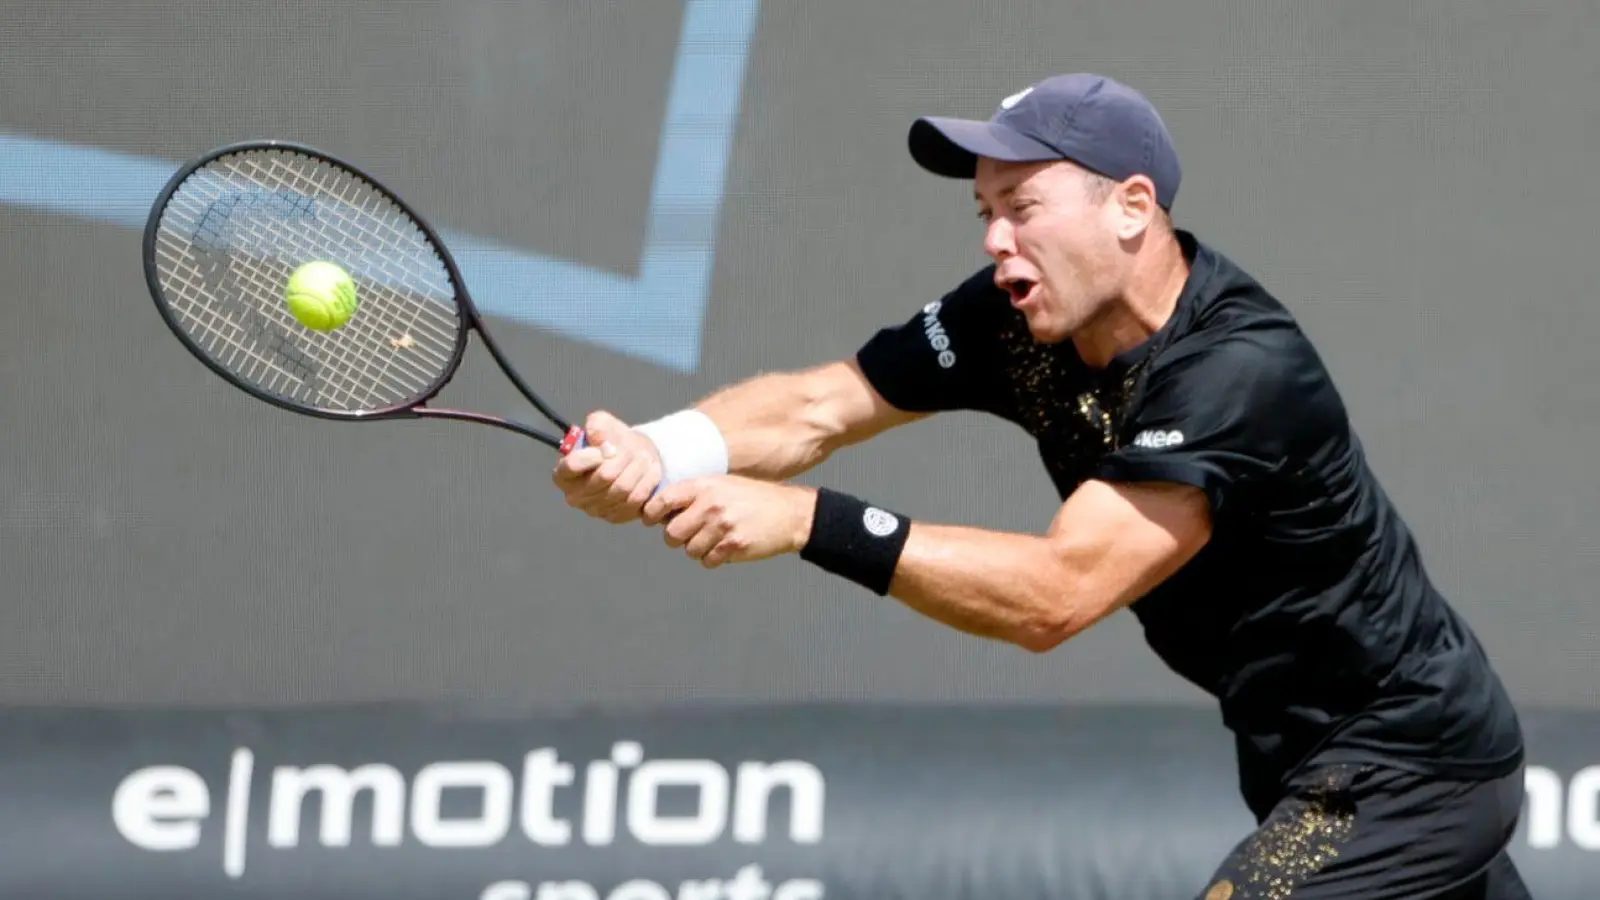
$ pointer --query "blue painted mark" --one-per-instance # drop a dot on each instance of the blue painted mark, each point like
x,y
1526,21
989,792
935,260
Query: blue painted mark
x,y
657,316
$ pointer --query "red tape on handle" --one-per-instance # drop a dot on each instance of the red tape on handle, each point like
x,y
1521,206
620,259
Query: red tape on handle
x,y
573,440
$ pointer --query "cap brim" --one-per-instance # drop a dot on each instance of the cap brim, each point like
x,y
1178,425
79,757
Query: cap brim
x,y
951,147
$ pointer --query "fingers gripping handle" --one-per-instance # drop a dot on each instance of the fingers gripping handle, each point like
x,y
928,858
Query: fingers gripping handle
x,y
576,439
573,440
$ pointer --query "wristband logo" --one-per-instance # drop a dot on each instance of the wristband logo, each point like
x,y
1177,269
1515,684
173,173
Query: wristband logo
x,y
879,523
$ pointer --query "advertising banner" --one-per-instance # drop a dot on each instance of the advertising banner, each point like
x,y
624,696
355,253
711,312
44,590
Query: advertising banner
x,y
773,803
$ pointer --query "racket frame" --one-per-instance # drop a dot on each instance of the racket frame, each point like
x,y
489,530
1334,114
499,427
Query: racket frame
x,y
416,407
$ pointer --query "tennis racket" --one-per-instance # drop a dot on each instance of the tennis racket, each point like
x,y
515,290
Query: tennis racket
x,y
222,240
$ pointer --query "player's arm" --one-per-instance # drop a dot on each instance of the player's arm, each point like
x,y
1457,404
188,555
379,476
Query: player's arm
x,y
770,427
776,426
938,359
1109,545
779,425
1150,507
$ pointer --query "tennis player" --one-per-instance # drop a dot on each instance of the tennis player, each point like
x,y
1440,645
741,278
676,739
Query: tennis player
x,y
1210,481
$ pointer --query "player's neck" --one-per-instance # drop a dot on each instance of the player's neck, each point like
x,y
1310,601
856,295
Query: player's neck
x,y
1143,309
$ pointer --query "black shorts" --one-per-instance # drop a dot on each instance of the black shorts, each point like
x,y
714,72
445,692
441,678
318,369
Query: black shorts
x,y
1352,830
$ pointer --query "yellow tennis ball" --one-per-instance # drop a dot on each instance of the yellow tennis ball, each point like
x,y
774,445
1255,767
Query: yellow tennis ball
x,y
321,296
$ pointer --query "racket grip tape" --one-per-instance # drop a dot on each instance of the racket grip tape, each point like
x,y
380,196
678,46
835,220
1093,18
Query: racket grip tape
x,y
573,440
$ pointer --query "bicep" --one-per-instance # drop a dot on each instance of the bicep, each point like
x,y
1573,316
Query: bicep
x,y
1122,540
848,408
818,408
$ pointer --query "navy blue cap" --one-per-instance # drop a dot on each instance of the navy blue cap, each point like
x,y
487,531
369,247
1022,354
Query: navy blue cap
x,y
1092,120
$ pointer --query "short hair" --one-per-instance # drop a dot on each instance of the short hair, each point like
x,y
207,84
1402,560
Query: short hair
x,y
1098,187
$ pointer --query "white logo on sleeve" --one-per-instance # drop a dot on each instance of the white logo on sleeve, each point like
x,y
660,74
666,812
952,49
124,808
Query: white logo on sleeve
x,y
879,523
1157,439
937,338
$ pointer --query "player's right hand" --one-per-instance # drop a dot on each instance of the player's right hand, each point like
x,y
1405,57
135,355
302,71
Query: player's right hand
x,y
613,476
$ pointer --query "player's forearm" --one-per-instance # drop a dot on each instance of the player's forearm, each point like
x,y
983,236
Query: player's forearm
x,y
773,424
1107,546
1016,588
780,424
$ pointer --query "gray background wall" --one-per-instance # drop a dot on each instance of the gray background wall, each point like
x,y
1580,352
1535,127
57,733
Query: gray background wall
x,y
1411,178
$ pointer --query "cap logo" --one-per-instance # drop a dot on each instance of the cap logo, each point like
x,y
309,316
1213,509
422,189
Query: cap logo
x,y
1016,98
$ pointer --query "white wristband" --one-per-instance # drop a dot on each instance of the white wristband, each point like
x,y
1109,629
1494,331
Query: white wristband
x,y
690,445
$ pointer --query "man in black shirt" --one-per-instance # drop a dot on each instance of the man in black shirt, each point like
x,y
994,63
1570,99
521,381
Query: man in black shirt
x,y
1210,480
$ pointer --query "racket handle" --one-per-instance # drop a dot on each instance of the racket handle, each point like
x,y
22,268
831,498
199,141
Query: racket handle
x,y
573,440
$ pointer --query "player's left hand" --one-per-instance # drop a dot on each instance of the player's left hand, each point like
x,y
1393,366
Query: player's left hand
x,y
730,518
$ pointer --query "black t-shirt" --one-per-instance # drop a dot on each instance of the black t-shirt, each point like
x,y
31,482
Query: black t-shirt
x,y
1309,615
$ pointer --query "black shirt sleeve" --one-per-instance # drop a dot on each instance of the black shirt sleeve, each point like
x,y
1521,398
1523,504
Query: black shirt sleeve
x,y
944,356
1224,415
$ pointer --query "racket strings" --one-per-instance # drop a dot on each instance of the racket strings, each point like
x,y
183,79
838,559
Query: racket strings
x,y
386,247
280,357
247,332
343,353
233,233
358,355
388,242
272,339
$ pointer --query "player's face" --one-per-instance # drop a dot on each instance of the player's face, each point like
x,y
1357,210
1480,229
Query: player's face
x,y
1053,243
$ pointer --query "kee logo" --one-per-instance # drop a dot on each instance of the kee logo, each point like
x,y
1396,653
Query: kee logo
x,y
938,339
1157,439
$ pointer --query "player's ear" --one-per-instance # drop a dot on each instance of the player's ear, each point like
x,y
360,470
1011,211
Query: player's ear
x,y
1137,201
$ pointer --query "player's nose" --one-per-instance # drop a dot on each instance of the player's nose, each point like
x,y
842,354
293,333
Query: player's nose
x,y
998,239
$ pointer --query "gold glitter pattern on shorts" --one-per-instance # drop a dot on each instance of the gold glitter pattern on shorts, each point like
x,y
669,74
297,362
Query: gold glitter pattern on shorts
x,y
1296,842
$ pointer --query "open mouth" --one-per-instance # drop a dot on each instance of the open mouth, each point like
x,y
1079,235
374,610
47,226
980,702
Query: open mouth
x,y
1020,289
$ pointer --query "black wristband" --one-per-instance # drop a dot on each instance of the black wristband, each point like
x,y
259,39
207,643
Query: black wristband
x,y
855,540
